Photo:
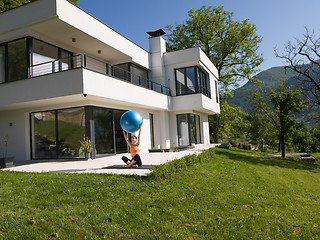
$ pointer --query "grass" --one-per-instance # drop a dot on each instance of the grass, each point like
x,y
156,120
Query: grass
x,y
238,194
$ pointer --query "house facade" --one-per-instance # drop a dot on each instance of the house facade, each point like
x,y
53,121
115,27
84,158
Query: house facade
x,y
65,74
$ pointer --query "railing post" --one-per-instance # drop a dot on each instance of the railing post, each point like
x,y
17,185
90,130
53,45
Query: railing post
x,y
161,89
139,80
85,60
52,66
107,69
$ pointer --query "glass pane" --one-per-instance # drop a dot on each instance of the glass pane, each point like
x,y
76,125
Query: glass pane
x,y
183,130
2,64
217,93
191,80
139,76
151,129
65,60
71,130
43,134
17,60
198,129
193,128
121,144
207,83
44,58
95,65
121,71
180,81
103,128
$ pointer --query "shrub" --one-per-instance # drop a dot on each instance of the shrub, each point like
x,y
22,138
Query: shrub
x,y
226,145
164,171
245,146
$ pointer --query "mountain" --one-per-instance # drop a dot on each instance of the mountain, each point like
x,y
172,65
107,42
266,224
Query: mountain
x,y
270,79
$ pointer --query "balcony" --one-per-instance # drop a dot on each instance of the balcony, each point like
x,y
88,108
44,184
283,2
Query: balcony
x,y
93,64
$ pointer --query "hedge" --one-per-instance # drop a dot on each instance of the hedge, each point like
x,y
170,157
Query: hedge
x,y
167,169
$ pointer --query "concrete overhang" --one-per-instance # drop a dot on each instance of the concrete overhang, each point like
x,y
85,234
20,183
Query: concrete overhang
x,y
195,102
59,21
80,87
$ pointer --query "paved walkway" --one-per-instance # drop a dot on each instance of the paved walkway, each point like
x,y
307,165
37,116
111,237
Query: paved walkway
x,y
111,164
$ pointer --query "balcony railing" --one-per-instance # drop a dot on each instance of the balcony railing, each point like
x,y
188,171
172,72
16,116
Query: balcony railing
x,y
91,63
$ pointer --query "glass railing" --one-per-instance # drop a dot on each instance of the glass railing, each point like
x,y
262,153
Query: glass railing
x,y
94,64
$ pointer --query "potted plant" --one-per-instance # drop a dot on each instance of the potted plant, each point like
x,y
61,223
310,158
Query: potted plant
x,y
86,147
4,150
155,149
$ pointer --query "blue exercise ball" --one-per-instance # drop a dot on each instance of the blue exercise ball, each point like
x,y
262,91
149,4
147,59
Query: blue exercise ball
x,y
130,121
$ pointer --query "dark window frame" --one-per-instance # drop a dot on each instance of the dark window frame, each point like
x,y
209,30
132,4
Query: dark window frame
x,y
202,83
87,133
189,116
89,128
29,51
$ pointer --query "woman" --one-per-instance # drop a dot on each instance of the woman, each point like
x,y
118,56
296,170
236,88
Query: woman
x,y
134,150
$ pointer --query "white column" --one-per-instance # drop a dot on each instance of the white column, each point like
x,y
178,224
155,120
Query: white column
x,y
164,129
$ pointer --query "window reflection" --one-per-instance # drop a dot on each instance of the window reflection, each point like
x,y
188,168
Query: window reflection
x,y
2,64
71,129
43,135
188,129
103,127
17,60
192,80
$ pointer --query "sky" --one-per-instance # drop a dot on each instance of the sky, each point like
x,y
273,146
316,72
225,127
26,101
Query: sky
x,y
277,21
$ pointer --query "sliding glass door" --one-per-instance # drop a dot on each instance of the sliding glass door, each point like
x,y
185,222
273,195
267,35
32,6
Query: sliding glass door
x,y
57,133
44,137
103,130
188,129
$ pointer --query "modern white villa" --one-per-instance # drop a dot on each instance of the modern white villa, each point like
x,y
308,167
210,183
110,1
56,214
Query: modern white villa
x,y
64,74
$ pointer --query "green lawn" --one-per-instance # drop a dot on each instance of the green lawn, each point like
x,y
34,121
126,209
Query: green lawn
x,y
237,194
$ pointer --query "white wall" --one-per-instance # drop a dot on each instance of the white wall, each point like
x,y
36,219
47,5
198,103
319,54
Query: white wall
x,y
205,129
17,133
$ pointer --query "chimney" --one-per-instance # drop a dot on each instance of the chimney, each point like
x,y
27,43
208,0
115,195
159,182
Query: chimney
x,y
157,46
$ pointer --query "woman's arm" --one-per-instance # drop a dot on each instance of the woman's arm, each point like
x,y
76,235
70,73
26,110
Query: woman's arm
x,y
126,138
139,135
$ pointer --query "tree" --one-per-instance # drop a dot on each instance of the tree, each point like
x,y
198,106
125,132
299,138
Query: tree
x,y
279,106
231,45
260,130
303,57
6,5
231,121
305,138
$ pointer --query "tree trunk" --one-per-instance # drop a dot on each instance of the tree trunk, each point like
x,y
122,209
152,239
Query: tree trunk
x,y
261,145
215,128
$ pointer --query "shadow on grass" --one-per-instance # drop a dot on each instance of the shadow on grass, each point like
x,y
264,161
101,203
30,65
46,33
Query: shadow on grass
x,y
258,158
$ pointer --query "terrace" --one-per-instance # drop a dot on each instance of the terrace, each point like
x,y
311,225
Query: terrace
x,y
94,64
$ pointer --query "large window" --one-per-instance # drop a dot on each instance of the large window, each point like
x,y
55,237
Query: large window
x,y
44,138
103,130
29,57
139,75
71,129
132,73
57,133
17,60
192,80
188,129
47,59
2,64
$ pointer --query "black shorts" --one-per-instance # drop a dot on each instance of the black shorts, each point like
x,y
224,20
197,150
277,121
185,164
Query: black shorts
x,y
136,158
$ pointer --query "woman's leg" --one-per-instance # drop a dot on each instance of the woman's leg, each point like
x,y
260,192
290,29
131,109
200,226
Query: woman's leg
x,y
137,160
126,160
